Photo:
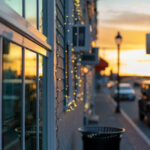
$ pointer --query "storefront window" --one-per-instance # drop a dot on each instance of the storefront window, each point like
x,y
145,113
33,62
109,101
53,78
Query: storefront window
x,y
41,99
11,96
35,89
31,11
42,102
30,99
15,4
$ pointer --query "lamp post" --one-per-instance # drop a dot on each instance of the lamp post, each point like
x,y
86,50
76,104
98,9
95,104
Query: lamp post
x,y
85,71
118,40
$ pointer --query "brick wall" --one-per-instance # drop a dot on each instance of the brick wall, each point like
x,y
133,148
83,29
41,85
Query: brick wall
x,y
67,123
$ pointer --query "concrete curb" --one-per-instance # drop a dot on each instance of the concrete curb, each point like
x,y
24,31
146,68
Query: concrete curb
x,y
139,131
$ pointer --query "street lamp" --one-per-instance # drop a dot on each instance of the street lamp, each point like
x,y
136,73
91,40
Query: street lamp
x,y
118,40
85,71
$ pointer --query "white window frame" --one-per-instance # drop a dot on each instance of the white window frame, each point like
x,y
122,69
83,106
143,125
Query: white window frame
x,y
87,45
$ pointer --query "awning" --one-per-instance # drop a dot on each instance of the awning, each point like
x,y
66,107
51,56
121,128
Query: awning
x,y
102,65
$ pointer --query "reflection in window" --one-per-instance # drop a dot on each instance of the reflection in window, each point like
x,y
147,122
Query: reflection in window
x,y
40,98
30,100
16,5
40,15
30,10
11,96
81,36
42,102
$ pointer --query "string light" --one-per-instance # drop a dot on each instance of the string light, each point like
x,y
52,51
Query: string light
x,y
77,94
76,61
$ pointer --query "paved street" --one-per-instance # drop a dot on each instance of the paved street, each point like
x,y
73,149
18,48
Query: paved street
x,y
131,109
105,108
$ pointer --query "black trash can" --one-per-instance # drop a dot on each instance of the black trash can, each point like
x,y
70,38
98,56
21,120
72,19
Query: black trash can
x,y
101,138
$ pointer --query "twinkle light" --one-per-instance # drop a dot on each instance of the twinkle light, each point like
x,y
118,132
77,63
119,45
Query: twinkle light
x,y
76,61
84,70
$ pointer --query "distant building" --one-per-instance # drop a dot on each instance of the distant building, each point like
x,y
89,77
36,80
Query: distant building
x,y
43,85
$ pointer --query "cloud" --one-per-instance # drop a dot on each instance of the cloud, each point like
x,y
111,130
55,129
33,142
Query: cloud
x,y
131,39
127,20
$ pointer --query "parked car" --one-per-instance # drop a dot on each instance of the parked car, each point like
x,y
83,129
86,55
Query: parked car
x,y
144,102
126,92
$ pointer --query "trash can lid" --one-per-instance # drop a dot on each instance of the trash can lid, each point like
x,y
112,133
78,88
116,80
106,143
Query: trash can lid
x,y
101,130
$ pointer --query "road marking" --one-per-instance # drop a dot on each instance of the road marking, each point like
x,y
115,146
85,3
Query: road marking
x,y
139,131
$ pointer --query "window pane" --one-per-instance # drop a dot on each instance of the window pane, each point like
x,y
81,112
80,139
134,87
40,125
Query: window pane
x,y
42,103
40,15
30,100
11,96
30,6
16,5
74,36
81,36
40,98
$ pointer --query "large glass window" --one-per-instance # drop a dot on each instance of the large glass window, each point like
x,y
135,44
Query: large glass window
x,y
16,5
11,96
30,99
31,11
42,102
34,100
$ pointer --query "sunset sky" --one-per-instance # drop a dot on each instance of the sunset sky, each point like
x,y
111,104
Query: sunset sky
x,y
132,19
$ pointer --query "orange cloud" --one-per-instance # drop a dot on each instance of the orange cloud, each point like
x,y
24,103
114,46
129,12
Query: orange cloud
x,y
128,20
132,39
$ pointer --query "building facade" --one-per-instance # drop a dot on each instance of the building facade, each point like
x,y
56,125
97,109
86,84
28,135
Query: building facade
x,y
42,78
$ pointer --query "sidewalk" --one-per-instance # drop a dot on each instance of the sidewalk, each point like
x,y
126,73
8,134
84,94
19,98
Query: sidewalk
x,y
105,109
